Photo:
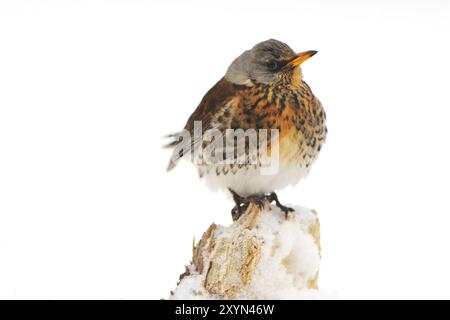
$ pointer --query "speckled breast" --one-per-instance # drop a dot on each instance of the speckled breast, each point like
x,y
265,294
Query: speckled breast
x,y
295,112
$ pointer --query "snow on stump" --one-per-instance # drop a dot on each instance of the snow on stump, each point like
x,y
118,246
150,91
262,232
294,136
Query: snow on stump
x,y
262,255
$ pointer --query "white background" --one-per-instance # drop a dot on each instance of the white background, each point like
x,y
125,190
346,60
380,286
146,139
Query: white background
x,y
87,90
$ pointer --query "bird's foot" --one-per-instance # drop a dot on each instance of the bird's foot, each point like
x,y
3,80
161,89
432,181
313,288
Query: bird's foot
x,y
240,206
242,203
272,197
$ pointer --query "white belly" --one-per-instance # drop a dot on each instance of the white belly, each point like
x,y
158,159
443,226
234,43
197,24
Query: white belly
x,y
251,181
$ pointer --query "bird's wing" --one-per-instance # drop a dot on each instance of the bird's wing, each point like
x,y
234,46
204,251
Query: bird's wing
x,y
216,102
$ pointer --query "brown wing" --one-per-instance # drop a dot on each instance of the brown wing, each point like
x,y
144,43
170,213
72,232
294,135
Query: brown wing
x,y
214,101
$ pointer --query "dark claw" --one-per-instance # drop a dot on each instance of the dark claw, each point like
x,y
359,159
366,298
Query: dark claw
x,y
240,207
258,200
238,210
272,197
242,203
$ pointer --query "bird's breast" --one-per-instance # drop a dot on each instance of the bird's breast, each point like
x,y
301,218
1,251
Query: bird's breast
x,y
296,114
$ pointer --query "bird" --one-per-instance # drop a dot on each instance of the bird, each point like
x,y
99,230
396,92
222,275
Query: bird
x,y
262,90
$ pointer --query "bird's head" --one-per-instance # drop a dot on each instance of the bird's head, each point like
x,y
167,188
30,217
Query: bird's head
x,y
268,62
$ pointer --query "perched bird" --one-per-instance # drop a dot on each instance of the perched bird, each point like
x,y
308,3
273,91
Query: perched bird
x,y
261,90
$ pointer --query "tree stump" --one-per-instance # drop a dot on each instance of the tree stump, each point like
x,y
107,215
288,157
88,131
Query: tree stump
x,y
262,255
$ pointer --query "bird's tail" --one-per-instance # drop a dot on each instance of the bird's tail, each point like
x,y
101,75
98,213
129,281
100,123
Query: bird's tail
x,y
175,157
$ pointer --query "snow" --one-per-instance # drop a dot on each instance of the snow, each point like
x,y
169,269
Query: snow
x,y
289,260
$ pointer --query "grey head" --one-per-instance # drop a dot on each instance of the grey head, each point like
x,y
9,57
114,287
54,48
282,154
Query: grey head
x,y
263,63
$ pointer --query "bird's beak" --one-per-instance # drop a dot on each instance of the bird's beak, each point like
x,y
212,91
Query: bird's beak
x,y
301,57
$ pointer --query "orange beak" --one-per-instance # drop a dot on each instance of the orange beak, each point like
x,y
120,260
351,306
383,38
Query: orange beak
x,y
301,57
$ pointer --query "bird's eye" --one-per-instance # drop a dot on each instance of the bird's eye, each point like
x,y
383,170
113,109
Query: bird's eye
x,y
272,65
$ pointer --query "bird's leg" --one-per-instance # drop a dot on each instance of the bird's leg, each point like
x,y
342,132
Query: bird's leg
x,y
272,197
257,199
242,203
